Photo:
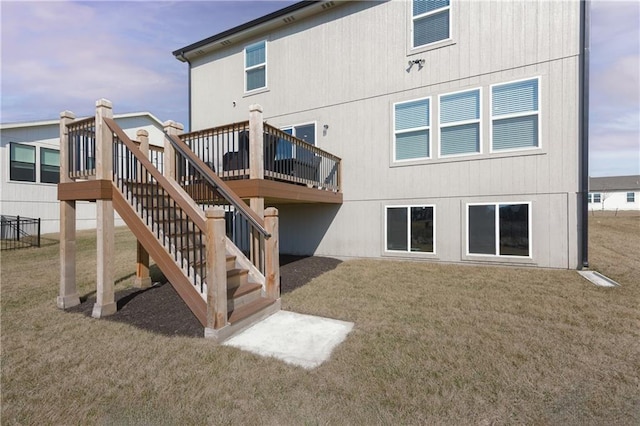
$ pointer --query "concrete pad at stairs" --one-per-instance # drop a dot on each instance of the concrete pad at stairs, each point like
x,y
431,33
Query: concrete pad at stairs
x,y
303,340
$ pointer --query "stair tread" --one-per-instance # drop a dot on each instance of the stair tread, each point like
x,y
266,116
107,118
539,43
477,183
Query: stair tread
x,y
242,290
249,309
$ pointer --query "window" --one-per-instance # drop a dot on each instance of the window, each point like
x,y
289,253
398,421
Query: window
x,y
431,21
412,129
306,132
22,165
631,197
460,123
49,165
255,66
410,229
595,197
499,229
515,115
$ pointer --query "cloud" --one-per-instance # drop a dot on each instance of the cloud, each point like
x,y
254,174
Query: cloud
x,y
64,55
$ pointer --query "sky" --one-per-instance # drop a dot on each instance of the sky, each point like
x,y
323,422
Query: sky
x,y
64,55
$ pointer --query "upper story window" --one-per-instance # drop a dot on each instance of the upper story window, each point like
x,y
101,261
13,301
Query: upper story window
x,y
515,115
49,165
631,197
22,163
431,21
460,123
255,66
412,126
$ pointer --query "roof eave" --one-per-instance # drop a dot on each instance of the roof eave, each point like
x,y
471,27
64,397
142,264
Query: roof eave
x,y
263,24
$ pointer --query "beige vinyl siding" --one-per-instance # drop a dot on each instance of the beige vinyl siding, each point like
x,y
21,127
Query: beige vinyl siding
x,y
328,68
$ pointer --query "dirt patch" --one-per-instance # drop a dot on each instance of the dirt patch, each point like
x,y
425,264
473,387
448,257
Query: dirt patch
x,y
159,309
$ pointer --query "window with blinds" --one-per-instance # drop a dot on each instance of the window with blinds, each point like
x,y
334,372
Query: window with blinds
x,y
431,20
460,123
412,130
255,66
515,115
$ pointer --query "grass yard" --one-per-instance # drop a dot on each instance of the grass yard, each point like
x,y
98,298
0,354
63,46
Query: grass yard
x,y
433,343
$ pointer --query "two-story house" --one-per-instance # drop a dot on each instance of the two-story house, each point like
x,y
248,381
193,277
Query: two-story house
x,y
460,124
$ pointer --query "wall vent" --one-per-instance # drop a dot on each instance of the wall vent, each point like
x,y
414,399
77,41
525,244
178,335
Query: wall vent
x,y
289,19
225,42
328,4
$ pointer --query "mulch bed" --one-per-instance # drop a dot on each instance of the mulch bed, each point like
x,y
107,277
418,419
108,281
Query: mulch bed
x,y
159,309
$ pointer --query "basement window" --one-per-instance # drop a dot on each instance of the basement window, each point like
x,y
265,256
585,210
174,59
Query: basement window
x,y
499,229
410,229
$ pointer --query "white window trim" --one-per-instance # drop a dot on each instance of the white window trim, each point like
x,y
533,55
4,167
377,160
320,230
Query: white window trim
x,y
599,194
497,230
459,123
413,129
633,195
262,64
440,43
315,129
520,114
408,251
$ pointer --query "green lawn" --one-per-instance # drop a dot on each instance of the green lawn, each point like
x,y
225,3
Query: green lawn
x,y
432,343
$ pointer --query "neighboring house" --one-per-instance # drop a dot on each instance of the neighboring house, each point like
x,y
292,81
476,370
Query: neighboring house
x,y
30,158
614,193
459,123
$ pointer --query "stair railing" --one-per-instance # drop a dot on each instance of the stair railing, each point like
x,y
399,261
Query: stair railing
x,y
179,224
244,227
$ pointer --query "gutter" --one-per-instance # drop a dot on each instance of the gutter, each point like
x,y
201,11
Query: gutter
x,y
583,134
180,55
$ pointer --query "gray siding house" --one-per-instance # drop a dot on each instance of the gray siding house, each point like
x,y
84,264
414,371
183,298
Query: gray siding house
x,y
460,124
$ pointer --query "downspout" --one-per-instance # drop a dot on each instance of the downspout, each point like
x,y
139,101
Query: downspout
x,y
583,132
184,58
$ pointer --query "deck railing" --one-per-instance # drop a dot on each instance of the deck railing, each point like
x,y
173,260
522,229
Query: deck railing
x,y
290,159
226,150
19,232
82,148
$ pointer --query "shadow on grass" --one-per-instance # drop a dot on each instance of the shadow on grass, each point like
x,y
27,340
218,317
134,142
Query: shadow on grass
x,y
160,310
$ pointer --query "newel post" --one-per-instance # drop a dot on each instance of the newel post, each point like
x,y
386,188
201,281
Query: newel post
x,y
272,253
174,129
105,296
68,295
142,279
216,270
256,141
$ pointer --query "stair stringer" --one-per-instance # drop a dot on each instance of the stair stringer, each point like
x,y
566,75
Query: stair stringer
x,y
162,257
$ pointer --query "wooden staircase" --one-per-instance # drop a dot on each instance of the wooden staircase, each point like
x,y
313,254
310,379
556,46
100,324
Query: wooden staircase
x,y
174,230
226,288
245,300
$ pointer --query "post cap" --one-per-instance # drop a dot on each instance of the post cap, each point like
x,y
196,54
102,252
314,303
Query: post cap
x,y
142,133
104,103
270,212
214,213
255,107
67,114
